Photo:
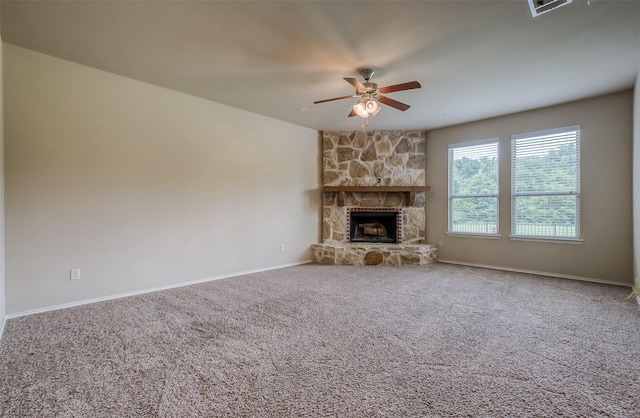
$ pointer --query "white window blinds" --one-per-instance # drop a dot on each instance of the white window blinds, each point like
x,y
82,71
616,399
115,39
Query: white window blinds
x,y
473,187
545,180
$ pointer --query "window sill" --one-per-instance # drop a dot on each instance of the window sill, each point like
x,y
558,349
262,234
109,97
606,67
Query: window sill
x,y
470,235
572,241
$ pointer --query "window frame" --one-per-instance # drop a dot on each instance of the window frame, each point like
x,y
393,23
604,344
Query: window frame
x,y
576,239
451,196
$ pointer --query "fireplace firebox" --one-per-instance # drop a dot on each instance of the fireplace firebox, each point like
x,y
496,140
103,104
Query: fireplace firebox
x,y
375,225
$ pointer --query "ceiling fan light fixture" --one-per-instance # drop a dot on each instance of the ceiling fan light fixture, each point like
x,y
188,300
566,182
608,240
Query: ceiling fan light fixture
x,y
372,107
361,109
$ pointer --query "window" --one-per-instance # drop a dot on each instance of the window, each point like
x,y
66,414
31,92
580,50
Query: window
x,y
473,188
545,184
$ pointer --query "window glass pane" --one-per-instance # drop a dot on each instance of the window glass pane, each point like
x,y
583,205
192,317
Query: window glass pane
x,y
478,215
474,169
546,163
546,216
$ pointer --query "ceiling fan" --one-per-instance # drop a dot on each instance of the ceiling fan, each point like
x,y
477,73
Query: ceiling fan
x,y
370,95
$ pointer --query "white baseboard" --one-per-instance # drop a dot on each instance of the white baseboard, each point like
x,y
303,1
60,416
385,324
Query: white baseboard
x,y
143,291
2,324
244,273
539,273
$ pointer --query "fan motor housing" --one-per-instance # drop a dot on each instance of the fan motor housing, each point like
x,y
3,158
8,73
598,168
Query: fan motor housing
x,y
369,87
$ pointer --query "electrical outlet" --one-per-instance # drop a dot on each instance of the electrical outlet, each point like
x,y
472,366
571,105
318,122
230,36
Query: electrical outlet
x,y
440,244
281,248
74,274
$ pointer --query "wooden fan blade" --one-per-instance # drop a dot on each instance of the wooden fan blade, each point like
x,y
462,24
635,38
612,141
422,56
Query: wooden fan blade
x,y
393,103
355,83
335,98
399,87
352,113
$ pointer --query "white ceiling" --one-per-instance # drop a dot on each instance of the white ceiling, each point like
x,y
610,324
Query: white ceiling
x,y
474,59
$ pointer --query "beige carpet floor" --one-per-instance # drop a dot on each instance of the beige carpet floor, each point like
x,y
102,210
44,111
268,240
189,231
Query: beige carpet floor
x,y
334,341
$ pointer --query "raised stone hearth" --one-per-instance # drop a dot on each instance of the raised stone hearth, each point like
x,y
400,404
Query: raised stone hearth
x,y
374,254
376,171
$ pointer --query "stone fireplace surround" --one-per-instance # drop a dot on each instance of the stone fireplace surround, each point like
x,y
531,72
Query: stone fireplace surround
x,y
385,169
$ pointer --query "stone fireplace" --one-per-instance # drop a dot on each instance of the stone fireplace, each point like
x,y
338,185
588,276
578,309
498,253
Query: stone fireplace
x,y
373,199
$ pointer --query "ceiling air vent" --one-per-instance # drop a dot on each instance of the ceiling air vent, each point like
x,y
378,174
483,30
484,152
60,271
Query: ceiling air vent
x,y
539,7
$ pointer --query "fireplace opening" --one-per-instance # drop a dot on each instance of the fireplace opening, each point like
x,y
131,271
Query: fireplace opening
x,y
374,225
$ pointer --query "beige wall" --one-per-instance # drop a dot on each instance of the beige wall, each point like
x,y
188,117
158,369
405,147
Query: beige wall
x,y
141,187
606,203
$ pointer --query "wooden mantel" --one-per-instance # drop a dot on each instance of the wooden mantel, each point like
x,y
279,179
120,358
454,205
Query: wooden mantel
x,y
409,191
